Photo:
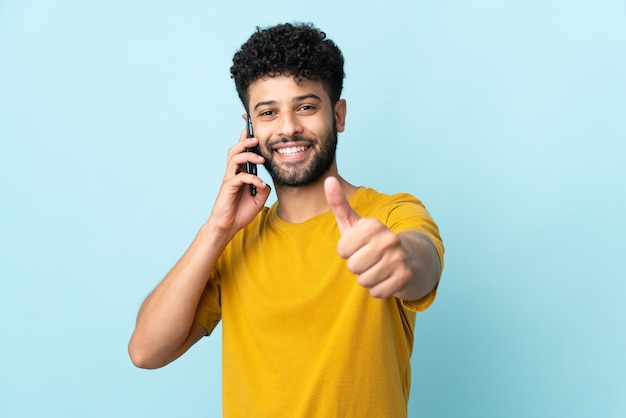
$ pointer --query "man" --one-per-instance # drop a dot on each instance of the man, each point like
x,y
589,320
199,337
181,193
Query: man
x,y
317,295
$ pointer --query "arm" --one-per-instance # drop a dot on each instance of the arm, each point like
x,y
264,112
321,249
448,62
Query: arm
x,y
422,264
165,326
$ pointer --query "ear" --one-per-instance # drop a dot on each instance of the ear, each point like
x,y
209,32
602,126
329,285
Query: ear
x,y
244,116
340,114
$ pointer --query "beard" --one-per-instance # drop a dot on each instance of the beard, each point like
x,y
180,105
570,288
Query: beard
x,y
303,173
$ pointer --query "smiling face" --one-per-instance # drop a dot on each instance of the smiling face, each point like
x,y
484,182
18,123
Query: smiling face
x,y
297,128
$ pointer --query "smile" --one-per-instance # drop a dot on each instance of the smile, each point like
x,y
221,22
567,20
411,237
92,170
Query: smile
x,y
290,151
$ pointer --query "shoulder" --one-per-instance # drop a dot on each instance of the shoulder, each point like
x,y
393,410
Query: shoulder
x,y
371,201
400,212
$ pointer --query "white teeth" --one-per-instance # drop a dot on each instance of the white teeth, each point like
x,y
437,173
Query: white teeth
x,y
290,150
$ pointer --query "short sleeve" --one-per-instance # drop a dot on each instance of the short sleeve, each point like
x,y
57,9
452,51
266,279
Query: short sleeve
x,y
209,312
407,213
422,304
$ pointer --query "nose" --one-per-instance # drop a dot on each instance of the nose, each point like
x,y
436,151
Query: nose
x,y
288,125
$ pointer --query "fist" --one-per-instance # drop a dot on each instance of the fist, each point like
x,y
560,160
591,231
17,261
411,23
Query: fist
x,y
373,252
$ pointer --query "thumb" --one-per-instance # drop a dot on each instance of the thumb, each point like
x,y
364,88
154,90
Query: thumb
x,y
344,214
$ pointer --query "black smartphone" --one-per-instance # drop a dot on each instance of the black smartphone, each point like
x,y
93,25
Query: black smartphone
x,y
251,168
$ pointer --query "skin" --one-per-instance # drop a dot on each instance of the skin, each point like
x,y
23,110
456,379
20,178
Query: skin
x,y
402,265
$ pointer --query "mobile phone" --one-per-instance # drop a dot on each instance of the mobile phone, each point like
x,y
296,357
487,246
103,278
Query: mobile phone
x,y
250,167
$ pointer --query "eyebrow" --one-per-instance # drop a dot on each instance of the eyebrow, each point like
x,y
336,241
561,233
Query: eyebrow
x,y
295,100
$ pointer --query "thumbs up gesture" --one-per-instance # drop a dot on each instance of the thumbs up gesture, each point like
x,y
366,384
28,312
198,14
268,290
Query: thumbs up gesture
x,y
375,253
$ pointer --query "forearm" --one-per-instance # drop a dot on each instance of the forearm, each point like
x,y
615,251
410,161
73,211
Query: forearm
x,y
165,319
423,264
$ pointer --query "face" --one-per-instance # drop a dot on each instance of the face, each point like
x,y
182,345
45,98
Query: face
x,y
297,128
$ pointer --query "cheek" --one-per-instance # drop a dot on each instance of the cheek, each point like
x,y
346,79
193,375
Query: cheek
x,y
264,149
264,132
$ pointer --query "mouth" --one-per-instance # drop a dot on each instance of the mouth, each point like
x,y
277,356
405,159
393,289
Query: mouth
x,y
291,151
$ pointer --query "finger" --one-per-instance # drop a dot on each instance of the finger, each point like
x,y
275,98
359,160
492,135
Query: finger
x,y
238,157
384,289
242,145
344,214
244,135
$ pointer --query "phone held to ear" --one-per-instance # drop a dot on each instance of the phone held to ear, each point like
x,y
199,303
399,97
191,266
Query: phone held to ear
x,y
251,168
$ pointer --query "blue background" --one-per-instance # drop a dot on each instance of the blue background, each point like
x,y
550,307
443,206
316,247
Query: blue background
x,y
508,119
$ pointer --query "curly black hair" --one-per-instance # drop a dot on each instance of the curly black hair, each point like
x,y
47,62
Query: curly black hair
x,y
300,50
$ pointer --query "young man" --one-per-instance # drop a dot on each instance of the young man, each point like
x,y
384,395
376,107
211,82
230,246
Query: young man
x,y
317,294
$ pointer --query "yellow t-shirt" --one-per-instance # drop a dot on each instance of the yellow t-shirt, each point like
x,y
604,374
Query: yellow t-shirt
x,y
301,338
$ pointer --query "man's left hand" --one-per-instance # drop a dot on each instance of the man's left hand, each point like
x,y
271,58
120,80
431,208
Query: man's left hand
x,y
373,252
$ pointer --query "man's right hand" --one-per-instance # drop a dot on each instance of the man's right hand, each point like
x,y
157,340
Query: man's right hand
x,y
166,325
235,207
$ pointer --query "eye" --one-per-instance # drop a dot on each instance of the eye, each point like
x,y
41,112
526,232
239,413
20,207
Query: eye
x,y
306,108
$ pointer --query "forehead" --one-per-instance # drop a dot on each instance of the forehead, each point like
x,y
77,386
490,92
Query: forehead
x,y
283,88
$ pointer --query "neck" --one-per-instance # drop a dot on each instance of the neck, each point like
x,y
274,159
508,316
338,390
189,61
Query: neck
x,y
299,204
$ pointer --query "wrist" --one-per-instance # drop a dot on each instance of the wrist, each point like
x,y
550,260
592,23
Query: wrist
x,y
214,235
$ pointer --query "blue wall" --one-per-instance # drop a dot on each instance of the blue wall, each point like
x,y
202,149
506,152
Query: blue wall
x,y
508,119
